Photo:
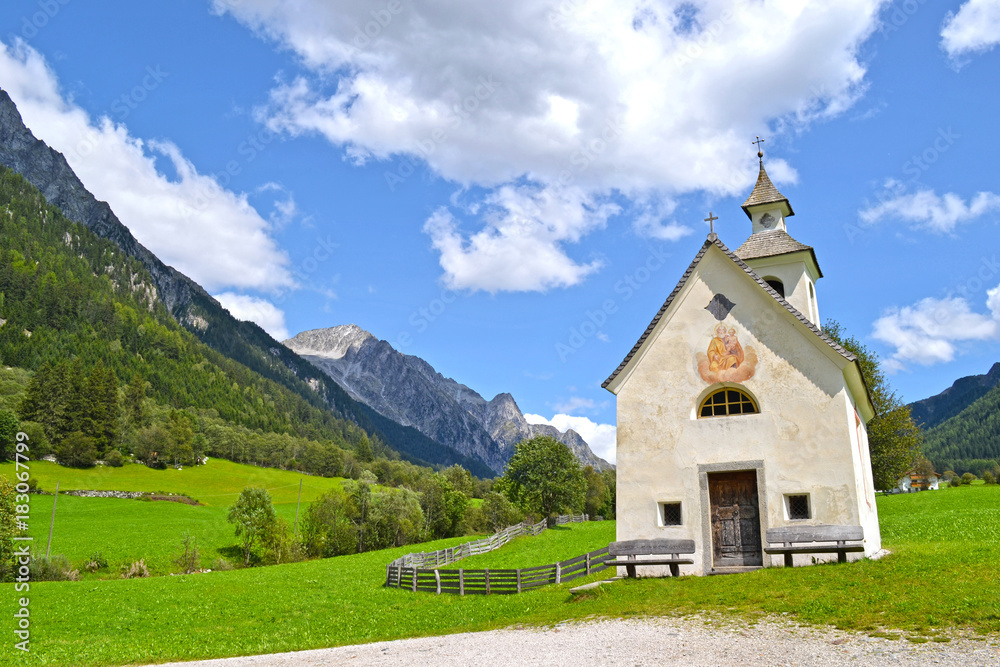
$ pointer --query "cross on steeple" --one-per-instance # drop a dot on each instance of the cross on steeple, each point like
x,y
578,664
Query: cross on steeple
x,y
711,222
760,151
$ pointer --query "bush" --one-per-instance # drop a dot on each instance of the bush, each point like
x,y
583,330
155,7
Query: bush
x,y
77,451
222,565
988,478
96,562
498,512
947,475
281,546
188,559
136,570
955,481
56,568
968,478
8,526
114,459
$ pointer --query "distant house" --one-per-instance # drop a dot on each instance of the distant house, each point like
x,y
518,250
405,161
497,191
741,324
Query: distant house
x,y
914,481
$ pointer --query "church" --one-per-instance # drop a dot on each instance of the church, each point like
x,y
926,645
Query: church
x,y
736,413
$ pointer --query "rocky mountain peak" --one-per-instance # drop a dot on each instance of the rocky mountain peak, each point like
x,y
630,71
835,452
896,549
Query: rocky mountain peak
x,y
408,389
332,343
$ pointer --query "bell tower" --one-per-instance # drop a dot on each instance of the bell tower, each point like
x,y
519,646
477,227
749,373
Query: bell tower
x,y
785,264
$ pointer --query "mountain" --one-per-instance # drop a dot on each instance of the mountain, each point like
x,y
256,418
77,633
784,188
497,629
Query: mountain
x,y
963,424
932,411
192,307
407,389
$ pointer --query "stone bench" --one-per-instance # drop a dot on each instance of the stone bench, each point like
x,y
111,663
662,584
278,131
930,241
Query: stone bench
x,y
662,552
836,539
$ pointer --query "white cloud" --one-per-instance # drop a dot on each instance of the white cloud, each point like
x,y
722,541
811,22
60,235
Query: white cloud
x,y
928,210
575,404
651,221
932,330
251,309
975,28
602,438
520,248
634,97
192,223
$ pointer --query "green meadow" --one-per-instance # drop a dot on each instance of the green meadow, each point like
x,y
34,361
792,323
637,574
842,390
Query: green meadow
x,y
941,581
124,531
217,483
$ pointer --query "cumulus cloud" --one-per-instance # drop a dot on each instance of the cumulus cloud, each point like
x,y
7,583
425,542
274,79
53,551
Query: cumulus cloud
x,y
521,245
973,29
602,438
576,404
191,222
628,97
259,311
932,331
928,210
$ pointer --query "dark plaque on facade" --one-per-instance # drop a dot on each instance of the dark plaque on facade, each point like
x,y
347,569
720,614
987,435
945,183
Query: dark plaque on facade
x,y
720,306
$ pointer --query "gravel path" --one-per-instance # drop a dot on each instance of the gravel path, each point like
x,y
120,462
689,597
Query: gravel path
x,y
650,641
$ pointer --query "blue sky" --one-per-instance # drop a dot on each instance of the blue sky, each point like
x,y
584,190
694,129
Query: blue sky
x,y
510,192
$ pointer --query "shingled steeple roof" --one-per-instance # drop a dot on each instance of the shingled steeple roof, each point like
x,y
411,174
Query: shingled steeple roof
x,y
765,193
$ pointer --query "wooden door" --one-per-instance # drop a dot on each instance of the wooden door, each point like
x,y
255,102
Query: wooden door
x,y
735,519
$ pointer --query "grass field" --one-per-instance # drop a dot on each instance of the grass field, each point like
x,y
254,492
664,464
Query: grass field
x,y
942,579
550,546
127,530
216,484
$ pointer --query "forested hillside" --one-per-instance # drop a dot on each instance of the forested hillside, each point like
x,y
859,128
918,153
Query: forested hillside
x,y
189,305
965,391
85,319
969,441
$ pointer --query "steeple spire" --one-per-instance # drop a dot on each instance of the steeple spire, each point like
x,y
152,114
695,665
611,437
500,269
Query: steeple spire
x,y
764,193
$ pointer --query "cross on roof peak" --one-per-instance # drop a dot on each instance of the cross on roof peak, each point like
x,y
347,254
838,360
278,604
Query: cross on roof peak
x,y
711,221
760,151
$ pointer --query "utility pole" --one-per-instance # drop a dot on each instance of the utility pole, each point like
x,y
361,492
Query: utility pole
x,y
52,522
299,502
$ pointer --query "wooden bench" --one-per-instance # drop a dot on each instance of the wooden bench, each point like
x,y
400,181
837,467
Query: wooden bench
x,y
838,539
658,548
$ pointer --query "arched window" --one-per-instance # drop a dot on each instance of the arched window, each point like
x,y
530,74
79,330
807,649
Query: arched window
x,y
776,285
726,402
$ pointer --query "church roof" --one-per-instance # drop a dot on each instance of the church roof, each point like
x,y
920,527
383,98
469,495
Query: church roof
x,y
764,192
771,243
714,240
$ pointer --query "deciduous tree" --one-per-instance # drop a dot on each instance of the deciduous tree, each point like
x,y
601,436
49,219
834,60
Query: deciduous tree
x,y
544,478
893,439
254,517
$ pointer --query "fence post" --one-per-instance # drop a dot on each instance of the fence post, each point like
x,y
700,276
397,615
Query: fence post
x,y
588,563
519,580
461,581
414,579
486,573
558,573
399,576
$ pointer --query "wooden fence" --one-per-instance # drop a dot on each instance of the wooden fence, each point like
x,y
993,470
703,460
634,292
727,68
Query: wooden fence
x,y
417,571
495,582
476,547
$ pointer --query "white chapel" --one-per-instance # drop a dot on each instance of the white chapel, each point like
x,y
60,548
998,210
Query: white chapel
x,y
736,414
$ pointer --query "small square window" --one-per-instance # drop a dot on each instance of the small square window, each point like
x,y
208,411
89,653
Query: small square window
x,y
798,507
671,513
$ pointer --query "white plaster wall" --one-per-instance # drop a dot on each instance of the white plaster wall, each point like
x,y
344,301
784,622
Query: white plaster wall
x,y
792,272
802,434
